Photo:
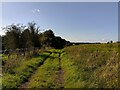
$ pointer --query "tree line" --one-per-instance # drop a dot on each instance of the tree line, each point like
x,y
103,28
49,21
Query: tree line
x,y
29,36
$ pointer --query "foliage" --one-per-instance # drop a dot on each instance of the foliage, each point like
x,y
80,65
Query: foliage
x,y
19,36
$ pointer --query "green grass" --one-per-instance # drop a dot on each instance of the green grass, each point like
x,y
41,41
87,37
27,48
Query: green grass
x,y
83,66
22,73
4,58
10,81
91,66
46,75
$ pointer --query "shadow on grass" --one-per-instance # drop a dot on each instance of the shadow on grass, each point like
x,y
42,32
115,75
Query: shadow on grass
x,y
44,56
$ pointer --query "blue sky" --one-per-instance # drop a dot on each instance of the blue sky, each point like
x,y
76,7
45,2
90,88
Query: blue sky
x,y
88,21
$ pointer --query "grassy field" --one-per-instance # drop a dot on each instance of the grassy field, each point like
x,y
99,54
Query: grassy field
x,y
77,66
91,66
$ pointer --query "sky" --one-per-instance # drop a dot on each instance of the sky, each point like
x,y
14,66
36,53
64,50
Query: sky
x,y
73,21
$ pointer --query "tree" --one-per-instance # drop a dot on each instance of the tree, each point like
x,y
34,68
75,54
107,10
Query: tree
x,y
19,36
47,38
26,39
0,42
59,42
34,30
12,38
111,41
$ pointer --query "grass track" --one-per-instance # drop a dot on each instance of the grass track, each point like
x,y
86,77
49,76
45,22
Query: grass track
x,y
79,66
47,76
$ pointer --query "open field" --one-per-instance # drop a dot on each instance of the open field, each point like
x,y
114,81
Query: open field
x,y
77,66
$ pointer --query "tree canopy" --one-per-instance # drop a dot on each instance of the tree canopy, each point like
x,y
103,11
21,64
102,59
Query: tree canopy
x,y
29,36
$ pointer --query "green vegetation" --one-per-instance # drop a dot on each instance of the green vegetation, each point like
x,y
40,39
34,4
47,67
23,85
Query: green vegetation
x,y
34,59
17,73
46,75
77,66
91,66
29,36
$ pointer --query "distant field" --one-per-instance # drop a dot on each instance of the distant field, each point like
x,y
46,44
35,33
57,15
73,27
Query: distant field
x,y
77,66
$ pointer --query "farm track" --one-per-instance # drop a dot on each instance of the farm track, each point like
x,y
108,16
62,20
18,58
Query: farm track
x,y
59,79
60,73
84,66
24,86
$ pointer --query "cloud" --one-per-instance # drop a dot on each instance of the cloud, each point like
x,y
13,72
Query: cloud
x,y
104,40
36,11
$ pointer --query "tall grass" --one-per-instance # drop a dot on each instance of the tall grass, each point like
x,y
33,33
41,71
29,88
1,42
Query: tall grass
x,y
21,73
83,66
91,66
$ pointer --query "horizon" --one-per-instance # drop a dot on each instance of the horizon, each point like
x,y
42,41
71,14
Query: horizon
x,y
75,22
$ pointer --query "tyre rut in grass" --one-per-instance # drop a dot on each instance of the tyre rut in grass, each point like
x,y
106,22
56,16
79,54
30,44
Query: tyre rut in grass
x,y
60,73
50,74
24,85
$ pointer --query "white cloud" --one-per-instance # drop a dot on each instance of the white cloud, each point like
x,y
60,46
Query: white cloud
x,y
104,40
36,11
